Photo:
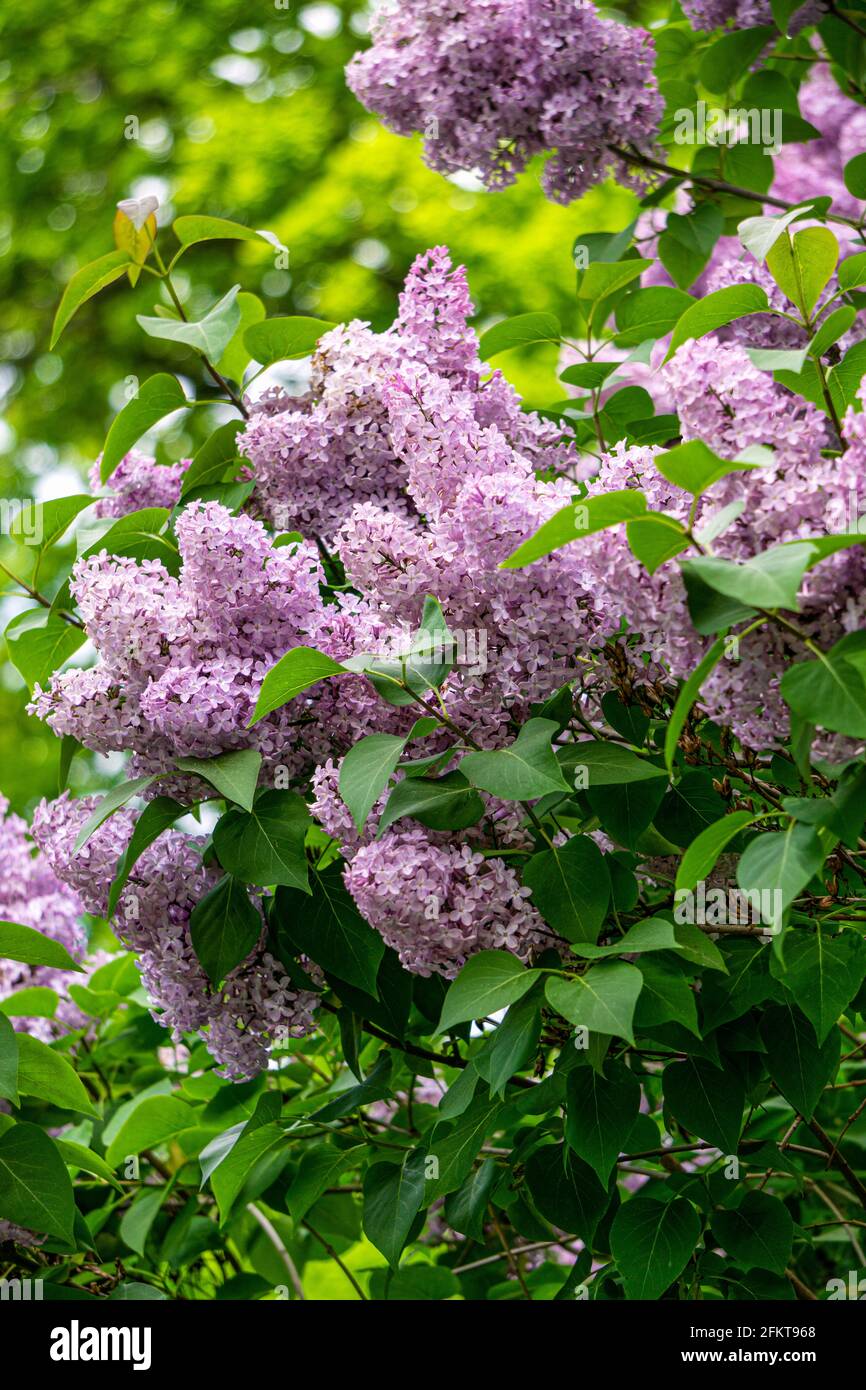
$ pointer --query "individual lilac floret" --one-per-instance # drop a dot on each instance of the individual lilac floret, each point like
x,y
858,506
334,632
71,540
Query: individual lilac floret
x,y
492,83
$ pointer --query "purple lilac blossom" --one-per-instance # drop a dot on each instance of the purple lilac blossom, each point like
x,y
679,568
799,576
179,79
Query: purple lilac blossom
x,y
32,895
492,83
254,1008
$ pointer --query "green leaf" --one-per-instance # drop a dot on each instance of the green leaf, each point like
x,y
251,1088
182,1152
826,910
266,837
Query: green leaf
x,y
702,854
830,690
281,339
365,771
393,1194
36,1002
570,888
695,467
40,524
85,283
8,1060
831,329
588,374
603,1000
140,536
229,1178
769,580
466,1209
442,803
224,927
328,927
209,335
29,946
156,817
844,380
600,1111
852,271
35,1190
687,242
628,810
236,356
801,266
715,310
728,58
153,1122
454,1146
489,981
706,1101
602,279
519,332
190,230
574,522
235,775
777,866
649,313
656,538
798,1065
319,1169
420,667
215,460
686,697
652,1242
759,1233
111,802
48,1076
566,1191
266,845
294,673
760,234
854,174
653,934
159,396
666,996
607,764
525,770
823,972
137,1221
513,1045
39,642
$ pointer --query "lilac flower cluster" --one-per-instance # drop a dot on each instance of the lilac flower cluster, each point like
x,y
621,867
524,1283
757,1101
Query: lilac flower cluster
x,y
436,901
33,896
181,660
255,1006
724,400
138,482
748,14
318,456
492,83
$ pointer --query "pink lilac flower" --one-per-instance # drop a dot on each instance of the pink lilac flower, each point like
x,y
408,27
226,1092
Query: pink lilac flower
x,y
254,1008
32,895
724,400
492,83
318,456
137,482
747,14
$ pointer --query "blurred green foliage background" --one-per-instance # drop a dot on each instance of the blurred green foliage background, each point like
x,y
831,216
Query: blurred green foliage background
x,y
236,109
